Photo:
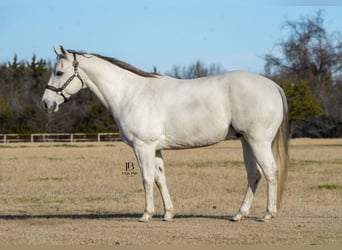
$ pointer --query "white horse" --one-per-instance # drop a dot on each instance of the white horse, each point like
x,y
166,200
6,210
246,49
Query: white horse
x,y
156,112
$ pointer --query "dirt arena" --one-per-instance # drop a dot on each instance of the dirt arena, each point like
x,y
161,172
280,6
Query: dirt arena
x,y
91,193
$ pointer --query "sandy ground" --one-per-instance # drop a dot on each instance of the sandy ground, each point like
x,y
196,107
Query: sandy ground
x,y
82,194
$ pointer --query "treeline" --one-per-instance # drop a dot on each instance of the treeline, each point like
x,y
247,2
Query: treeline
x,y
307,64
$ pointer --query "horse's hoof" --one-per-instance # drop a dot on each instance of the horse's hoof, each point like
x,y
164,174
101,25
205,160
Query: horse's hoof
x,y
268,216
168,216
239,216
146,217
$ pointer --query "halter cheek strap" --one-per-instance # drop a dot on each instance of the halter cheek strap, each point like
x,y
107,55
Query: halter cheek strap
x,y
59,91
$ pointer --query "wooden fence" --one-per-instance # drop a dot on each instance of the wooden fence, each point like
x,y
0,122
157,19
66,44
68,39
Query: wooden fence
x,y
60,137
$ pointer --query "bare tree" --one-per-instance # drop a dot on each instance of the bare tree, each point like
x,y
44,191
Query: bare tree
x,y
196,70
312,54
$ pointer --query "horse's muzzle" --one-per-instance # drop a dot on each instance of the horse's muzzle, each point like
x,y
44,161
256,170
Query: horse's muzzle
x,y
49,106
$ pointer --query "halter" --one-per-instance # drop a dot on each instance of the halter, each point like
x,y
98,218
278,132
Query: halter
x,y
59,91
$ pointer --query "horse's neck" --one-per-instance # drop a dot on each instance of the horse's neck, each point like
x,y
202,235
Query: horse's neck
x,y
111,84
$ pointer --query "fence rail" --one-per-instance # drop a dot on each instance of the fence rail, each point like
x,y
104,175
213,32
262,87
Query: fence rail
x,y
60,137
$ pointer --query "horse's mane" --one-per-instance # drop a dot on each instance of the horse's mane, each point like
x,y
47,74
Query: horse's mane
x,y
118,63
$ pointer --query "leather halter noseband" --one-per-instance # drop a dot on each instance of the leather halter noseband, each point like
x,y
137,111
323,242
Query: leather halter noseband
x,y
59,91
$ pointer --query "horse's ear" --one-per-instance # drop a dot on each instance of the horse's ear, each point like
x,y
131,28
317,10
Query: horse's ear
x,y
64,51
57,52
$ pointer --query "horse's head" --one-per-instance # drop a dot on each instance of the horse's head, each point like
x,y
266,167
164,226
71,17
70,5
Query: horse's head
x,y
64,81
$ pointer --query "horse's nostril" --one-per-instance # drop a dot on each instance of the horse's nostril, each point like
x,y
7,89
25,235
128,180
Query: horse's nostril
x,y
49,106
44,105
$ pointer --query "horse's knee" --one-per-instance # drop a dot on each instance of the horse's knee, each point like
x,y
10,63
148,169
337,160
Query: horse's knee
x,y
148,183
159,175
270,171
272,179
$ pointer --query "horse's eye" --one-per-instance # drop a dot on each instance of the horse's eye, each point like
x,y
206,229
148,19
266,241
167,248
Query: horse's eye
x,y
59,73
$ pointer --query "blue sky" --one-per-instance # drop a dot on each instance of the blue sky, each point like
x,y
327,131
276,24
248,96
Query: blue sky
x,y
147,33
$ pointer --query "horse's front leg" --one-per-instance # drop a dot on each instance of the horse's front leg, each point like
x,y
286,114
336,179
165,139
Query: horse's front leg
x,y
160,180
146,159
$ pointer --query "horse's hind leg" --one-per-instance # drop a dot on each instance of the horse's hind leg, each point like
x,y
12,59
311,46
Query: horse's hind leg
x,y
264,157
160,181
253,177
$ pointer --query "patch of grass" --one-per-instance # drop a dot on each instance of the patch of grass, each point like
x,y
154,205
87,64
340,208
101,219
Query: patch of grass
x,y
13,146
94,198
37,200
215,164
59,201
55,158
304,162
336,161
53,178
329,187
313,162
32,200
67,145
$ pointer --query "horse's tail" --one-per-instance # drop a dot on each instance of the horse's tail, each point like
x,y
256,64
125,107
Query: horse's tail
x,y
280,149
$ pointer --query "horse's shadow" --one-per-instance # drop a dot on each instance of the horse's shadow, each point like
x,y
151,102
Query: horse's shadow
x,y
96,216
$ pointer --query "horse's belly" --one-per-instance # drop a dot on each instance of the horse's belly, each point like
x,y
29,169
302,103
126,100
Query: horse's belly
x,y
196,134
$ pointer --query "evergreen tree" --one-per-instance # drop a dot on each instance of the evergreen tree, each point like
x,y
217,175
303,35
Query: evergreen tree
x,y
303,106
